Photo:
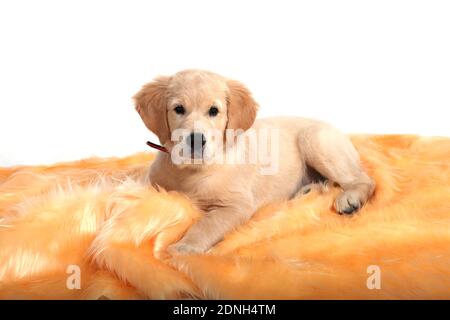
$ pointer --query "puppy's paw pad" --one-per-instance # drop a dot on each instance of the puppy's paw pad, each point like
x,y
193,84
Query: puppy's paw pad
x,y
348,202
306,189
180,248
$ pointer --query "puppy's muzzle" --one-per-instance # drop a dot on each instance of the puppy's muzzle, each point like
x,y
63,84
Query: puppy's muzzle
x,y
196,141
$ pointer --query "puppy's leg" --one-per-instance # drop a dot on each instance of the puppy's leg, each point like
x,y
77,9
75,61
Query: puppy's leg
x,y
333,155
211,228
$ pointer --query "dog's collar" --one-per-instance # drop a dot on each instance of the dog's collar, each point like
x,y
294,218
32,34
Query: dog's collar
x,y
157,147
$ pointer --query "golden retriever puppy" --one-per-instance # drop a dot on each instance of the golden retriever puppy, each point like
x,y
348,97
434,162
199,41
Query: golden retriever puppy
x,y
230,164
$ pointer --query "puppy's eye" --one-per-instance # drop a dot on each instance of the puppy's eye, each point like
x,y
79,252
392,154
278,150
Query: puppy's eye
x,y
179,109
213,111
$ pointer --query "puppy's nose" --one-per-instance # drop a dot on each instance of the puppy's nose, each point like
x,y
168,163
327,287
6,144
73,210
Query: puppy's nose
x,y
196,141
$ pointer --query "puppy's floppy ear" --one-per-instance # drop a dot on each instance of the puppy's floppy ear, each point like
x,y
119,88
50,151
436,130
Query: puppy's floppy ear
x,y
241,106
151,104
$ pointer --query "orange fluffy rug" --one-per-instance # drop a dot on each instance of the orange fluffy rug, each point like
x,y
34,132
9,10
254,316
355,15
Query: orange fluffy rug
x,y
100,215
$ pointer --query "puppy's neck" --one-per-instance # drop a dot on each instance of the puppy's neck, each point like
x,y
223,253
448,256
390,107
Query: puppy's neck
x,y
187,168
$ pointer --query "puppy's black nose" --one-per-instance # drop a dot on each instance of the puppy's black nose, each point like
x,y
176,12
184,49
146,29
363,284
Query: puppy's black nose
x,y
196,141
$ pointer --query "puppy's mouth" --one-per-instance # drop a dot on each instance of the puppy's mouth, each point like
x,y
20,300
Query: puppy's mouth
x,y
190,154
196,154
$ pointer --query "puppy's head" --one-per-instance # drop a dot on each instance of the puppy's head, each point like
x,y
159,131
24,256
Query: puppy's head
x,y
193,108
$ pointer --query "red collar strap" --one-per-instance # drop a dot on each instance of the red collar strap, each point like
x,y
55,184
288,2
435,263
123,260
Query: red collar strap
x,y
157,147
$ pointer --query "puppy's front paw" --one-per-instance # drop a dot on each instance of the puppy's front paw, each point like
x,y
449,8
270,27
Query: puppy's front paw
x,y
182,248
348,202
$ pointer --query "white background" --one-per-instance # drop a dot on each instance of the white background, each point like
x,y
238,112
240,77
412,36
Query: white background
x,y
68,69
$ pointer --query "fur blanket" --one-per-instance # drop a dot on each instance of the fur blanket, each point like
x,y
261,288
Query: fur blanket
x,y
98,221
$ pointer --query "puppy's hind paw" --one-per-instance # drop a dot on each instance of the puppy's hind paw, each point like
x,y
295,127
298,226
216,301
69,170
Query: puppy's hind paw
x,y
348,202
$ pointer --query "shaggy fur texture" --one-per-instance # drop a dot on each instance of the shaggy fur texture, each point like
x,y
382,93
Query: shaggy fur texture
x,y
100,215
